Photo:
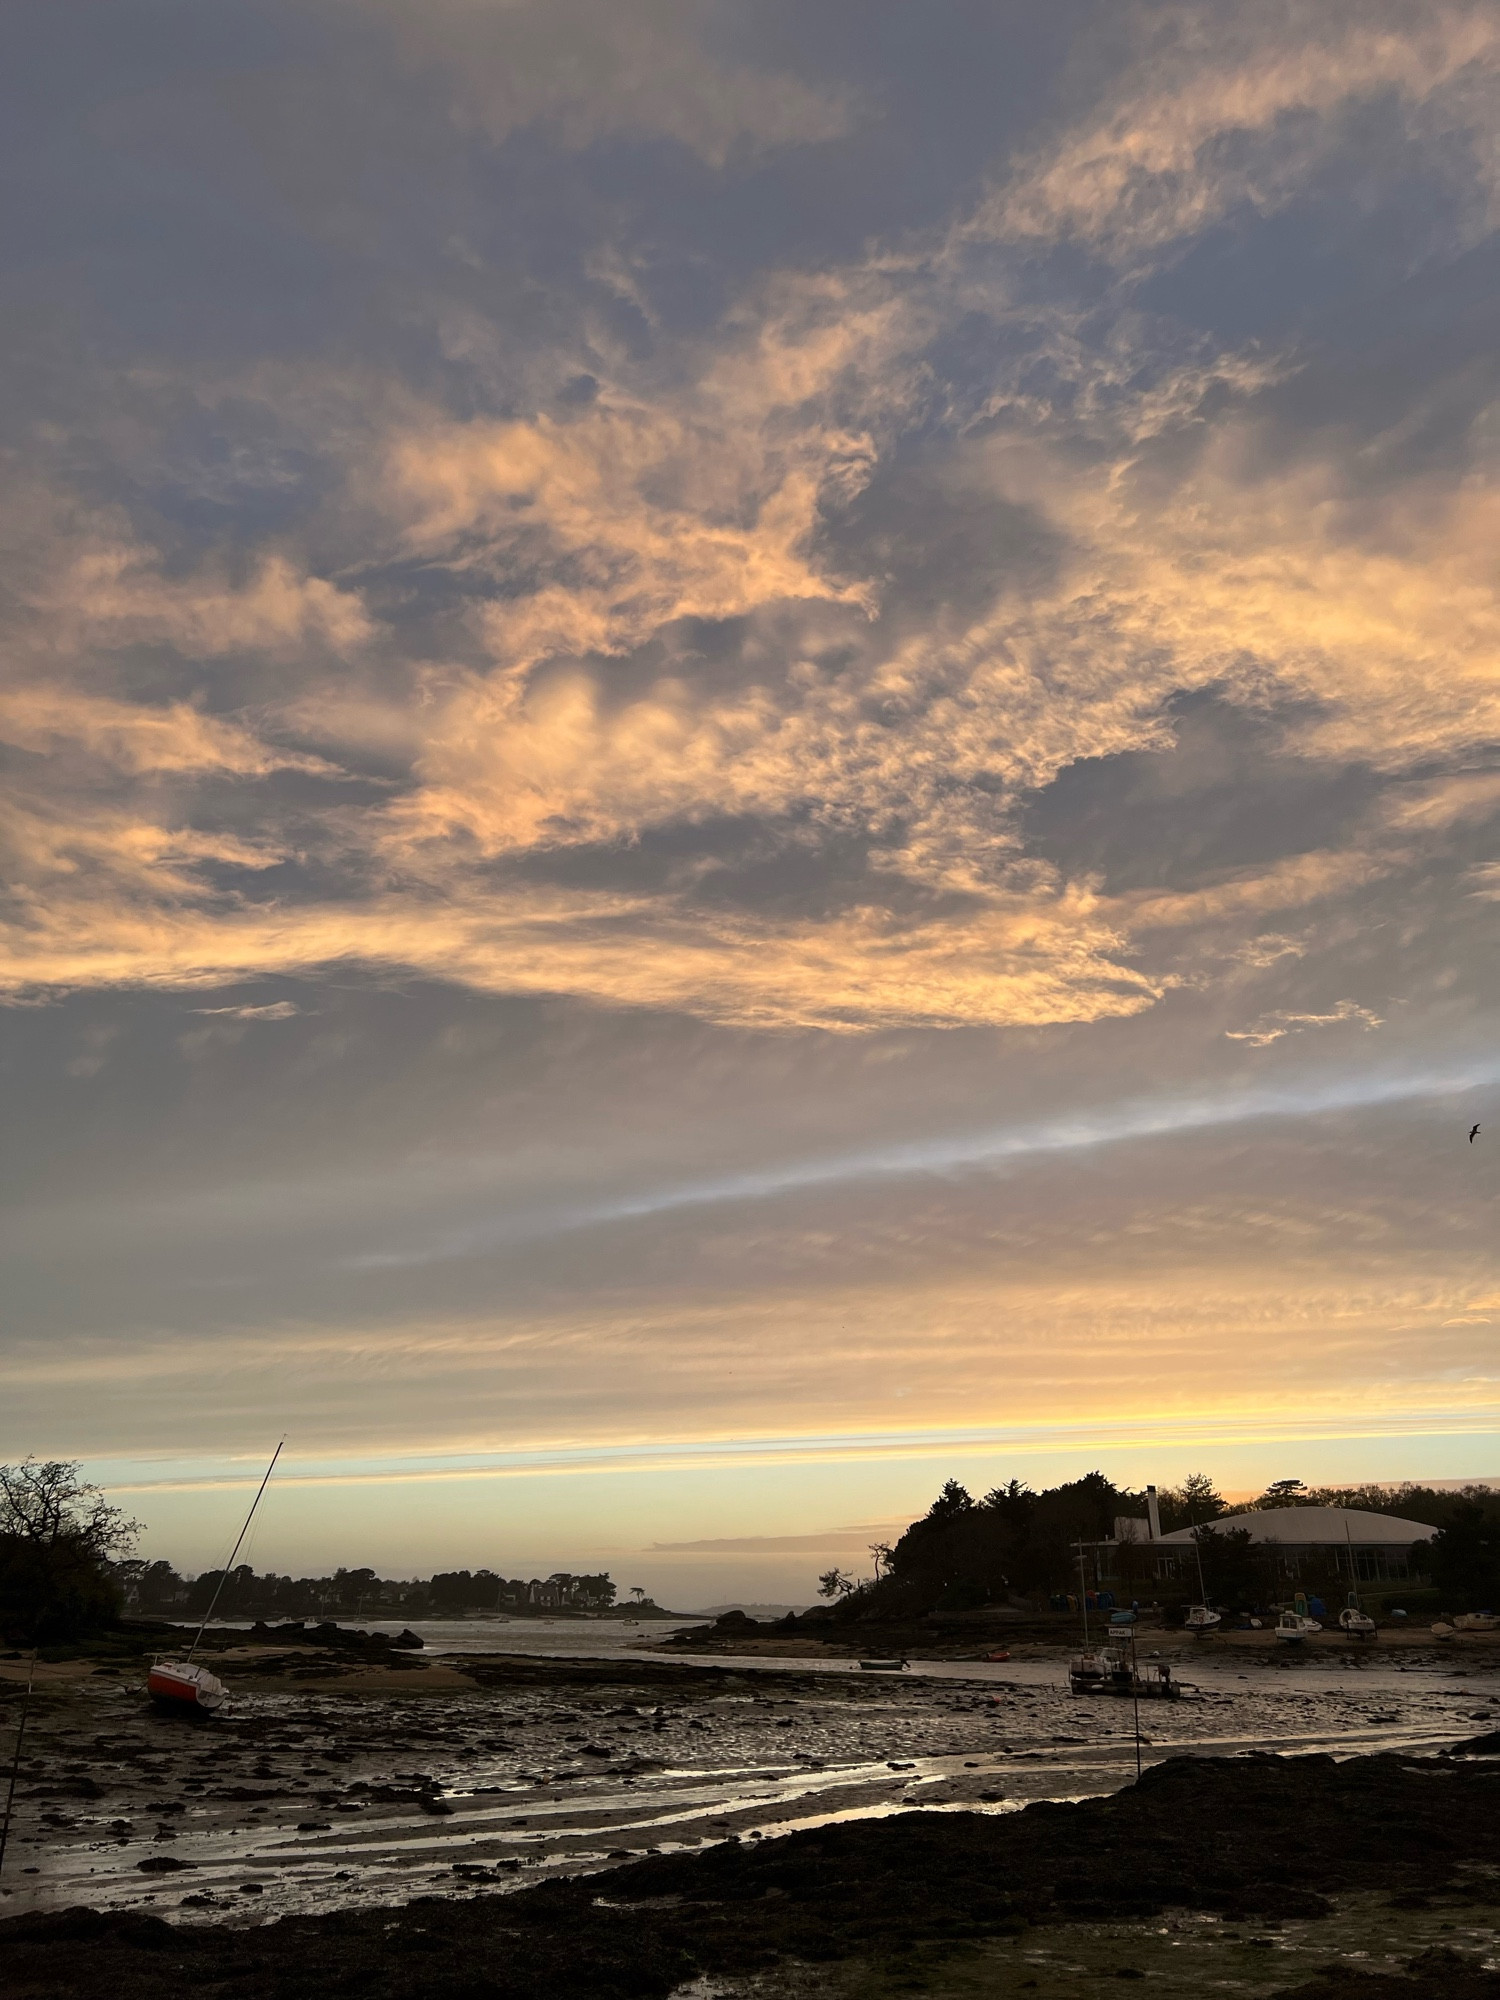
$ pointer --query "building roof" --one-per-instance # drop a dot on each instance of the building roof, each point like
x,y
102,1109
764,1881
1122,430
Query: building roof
x,y
1318,1526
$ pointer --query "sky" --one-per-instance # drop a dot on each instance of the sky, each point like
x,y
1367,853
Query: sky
x,y
749,755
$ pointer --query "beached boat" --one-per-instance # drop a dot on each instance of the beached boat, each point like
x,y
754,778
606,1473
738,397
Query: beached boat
x,y
1354,1620
1293,1628
178,1684
1476,1621
181,1685
882,1666
1441,1629
1200,1620
1099,1670
1108,1670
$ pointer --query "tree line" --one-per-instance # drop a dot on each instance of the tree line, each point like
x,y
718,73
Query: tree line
x,y
67,1568
155,1589
1014,1545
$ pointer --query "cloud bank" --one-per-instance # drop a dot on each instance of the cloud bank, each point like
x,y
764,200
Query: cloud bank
x,y
657,616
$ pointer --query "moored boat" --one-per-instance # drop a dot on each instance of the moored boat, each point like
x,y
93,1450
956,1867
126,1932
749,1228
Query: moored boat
x,y
1293,1628
179,1684
1108,1670
1099,1670
882,1666
1200,1620
1476,1621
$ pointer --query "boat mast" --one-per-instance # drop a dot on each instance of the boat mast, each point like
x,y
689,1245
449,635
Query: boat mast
x,y
224,1574
1083,1597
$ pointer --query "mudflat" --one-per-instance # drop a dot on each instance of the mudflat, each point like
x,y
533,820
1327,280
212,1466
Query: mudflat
x,y
1260,1869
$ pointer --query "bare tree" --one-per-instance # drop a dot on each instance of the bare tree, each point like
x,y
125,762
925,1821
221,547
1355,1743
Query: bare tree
x,y
47,1503
836,1583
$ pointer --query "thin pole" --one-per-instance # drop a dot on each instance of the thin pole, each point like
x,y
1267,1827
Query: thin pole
x,y
224,1574
1135,1690
1198,1552
15,1762
1083,1597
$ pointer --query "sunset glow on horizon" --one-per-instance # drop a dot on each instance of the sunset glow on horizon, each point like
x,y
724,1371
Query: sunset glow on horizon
x,y
750,756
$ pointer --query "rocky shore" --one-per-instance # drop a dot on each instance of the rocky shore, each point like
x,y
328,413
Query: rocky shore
x,y
970,1635
1253,1868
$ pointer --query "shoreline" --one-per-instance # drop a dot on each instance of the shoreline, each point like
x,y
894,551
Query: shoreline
x,y
344,1778
1260,1868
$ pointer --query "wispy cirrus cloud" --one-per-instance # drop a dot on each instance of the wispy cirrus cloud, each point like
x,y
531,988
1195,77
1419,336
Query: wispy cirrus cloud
x,y
585,73
1246,108
1273,1026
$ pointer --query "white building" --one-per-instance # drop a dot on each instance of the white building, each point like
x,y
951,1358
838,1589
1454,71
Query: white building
x,y
1368,1548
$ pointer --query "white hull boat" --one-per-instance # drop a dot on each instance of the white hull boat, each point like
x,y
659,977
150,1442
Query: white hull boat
x,y
1200,1621
1476,1621
1099,1670
1292,1628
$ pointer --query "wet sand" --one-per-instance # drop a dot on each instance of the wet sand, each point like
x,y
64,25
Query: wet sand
x,y
1369,1876
331,1785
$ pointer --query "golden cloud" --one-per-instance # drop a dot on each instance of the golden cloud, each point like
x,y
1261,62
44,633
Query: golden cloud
x,y
1220,109
136,737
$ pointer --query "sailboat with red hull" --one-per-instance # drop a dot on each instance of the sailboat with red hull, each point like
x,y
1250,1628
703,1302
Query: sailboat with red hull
x,y
178,1684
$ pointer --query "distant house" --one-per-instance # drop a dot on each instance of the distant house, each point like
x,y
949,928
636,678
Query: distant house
x,y
1368,1548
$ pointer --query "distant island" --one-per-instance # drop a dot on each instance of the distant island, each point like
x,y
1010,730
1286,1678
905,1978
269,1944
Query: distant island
x,y
752,1610
156,1590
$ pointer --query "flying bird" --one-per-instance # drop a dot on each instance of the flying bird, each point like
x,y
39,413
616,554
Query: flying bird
x,y
1473,1133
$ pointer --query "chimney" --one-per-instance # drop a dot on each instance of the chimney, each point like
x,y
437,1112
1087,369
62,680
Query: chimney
x,y
1153,1513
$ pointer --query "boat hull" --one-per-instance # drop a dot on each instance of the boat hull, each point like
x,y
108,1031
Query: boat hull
x,y
1292,1630
175,1684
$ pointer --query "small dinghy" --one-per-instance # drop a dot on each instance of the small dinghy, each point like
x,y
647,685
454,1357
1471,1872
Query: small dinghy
x,y
1200,1621
1475,1621
882,1666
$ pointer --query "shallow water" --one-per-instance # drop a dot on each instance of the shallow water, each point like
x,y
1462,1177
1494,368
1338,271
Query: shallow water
x,y
304,1800
560,1638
